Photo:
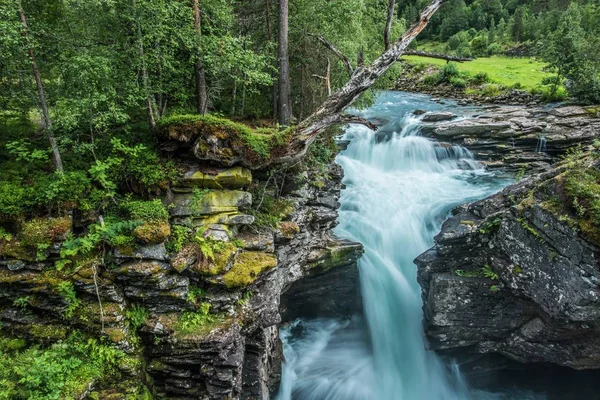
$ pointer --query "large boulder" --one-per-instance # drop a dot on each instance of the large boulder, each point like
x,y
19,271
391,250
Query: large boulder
x,y
517,274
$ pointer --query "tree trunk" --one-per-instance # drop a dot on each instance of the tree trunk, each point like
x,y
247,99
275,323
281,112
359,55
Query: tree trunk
x,y
57,159
150,105
388,24
275,87
331,111
285,106
201,91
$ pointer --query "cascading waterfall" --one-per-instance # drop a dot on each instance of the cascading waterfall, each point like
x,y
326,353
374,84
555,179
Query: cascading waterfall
x,y
398,193
541,145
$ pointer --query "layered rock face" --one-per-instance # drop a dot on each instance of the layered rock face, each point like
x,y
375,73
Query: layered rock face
x,y
516,138
211,314
518,274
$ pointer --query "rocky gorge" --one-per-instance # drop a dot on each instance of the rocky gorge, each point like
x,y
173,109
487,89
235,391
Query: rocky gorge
x,y
197,300
197,317
517,273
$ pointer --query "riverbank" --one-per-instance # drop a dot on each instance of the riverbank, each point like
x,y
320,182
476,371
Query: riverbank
x,y
494,80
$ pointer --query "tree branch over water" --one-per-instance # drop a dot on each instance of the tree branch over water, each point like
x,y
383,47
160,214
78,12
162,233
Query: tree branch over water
x,y
331,111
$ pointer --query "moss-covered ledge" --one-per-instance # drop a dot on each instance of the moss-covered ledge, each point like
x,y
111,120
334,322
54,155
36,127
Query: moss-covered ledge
x,y
223,141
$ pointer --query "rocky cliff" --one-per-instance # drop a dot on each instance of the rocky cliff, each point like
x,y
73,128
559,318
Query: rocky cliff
x,y
528,139
194,302
518,274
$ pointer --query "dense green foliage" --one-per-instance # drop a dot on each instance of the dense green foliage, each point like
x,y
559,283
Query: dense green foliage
x,y
62,370
562,33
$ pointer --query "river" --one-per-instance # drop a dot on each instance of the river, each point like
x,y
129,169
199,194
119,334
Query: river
x,y
400,187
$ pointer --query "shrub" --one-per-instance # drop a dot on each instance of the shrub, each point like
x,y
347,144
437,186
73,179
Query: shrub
x,y
146,211
448,71
479,45
480,78
491,89
13,199
63,370
60,192
551,93
494,49
458,82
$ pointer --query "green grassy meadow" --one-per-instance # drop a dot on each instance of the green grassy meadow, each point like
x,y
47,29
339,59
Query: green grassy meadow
x,y
501,70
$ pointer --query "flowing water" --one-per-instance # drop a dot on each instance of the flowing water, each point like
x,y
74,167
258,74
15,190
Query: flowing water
x,y
400,188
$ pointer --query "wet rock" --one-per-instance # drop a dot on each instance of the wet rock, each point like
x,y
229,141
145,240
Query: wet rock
x,y
213,202
511,274
218,178
149,252
437,116
570,111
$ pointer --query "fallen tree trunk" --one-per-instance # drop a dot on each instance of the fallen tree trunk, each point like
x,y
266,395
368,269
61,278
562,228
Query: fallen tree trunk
x,y
436,55
224,142
331,111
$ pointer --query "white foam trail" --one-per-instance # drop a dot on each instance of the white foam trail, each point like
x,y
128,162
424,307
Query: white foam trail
x,y
398,192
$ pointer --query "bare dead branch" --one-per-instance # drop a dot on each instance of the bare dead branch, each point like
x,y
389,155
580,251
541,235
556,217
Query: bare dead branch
x,y
337,52
355,119
330,112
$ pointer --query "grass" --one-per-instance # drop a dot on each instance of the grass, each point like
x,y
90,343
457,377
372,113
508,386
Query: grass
x,y
505,71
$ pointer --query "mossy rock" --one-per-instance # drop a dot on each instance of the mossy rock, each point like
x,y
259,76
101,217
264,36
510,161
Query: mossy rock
x,y
334,256
288,229
50,333
15,249
213,202
44,231
152,232
223,141
246,269
227,218
220,263
230,178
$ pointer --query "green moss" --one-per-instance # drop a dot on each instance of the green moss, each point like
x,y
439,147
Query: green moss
x,y
247,267
333,257
221,259
289,228
254,144
232,178
146,211
50,333
152,232
529,228
8,344
115,335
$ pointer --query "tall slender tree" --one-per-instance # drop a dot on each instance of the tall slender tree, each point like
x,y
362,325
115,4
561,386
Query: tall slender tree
x,y
388,24
41,94
201,90
285,100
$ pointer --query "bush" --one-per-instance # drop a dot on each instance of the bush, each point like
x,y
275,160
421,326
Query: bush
x,y
146,211
448,71
494,49
479,45
551,93
480,78
13,199
458,82
60,192
491,90
63,370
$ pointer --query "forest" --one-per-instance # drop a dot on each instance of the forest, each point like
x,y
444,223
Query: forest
x,y
105,104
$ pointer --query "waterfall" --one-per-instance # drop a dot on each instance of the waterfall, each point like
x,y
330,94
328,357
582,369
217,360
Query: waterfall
x,y
398,192
541,145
